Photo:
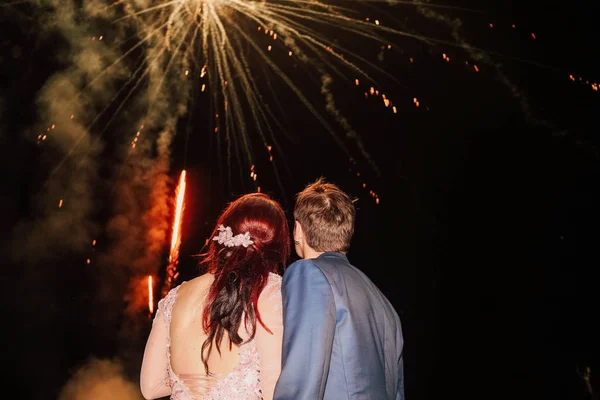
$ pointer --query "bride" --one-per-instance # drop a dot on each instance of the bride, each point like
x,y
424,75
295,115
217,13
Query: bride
x,y
219,335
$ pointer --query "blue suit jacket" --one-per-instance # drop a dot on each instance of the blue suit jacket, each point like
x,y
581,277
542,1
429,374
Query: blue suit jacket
x,y
342,338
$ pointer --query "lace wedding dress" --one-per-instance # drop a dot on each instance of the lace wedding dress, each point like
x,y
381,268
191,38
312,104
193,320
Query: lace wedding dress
x,y
258,360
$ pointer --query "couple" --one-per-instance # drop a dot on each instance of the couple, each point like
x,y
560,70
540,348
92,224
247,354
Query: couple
x,y
241,332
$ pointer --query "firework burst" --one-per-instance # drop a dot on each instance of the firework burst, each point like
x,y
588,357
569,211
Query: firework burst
x,y
234,52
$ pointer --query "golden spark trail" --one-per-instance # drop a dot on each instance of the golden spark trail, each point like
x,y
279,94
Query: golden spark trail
x,y
150,295
176,235
217,43
243,55
163,50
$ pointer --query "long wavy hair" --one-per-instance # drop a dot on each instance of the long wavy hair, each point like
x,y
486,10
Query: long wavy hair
x,y
241,273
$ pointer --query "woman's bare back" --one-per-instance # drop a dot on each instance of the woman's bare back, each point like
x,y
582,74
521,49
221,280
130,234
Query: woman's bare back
x,y
244,372
187,334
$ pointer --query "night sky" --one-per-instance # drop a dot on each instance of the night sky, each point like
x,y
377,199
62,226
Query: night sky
x,y
485,237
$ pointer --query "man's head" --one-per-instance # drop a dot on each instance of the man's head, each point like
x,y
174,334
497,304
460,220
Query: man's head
x,y
324,219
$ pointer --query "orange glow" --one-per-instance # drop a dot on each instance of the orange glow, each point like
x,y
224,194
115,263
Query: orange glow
x,y
150,295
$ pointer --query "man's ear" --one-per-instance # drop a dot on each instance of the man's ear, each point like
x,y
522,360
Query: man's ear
x,y
298,233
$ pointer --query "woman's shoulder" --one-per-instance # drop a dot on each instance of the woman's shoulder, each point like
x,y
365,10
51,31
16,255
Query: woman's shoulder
x,y
204,279
194,288
273,282
273,277
272,290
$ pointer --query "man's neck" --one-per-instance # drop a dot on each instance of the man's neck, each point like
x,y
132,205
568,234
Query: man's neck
x,y
310,253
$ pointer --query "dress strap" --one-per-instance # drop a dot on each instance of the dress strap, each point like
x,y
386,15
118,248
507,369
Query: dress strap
x,y
165,306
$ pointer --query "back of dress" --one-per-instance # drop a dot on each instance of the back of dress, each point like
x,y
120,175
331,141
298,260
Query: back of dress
x,y
244,372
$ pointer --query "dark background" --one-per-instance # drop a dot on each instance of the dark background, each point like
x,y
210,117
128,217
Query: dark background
x,y
485,239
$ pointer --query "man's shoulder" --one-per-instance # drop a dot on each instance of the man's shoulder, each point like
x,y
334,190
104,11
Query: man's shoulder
x,y
325,269
306,270
305,275
300,266
314,264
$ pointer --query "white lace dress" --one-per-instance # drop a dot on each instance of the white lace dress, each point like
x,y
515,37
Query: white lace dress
x,y
253,378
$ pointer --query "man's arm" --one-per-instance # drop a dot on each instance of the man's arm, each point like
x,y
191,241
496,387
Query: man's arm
x,y
308,328
400,388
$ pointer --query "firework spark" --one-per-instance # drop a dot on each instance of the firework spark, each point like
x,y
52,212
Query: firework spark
x,y
237,53
235,49
172,272
150,295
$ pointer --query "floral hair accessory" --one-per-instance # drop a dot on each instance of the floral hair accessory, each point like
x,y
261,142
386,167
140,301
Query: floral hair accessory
x,y
226,237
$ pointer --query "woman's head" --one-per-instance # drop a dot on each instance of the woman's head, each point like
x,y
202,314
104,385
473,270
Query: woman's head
x,y
250,240
264,222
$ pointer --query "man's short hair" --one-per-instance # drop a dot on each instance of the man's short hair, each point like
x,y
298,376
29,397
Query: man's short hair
x,y
327,216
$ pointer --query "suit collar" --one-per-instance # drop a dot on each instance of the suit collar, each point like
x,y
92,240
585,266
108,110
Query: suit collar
x,y
334,254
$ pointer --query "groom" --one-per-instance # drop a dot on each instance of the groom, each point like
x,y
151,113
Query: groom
x,y
342,338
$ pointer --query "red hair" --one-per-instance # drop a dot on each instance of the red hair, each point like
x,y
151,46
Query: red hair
x,y
241,273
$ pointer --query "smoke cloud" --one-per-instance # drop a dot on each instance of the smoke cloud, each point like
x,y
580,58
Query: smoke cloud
x,y
105,125
100,380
